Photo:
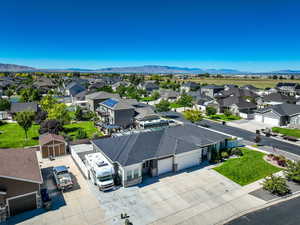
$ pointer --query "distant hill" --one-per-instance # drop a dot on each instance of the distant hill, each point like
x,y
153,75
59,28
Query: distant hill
x,y
15,68
286,71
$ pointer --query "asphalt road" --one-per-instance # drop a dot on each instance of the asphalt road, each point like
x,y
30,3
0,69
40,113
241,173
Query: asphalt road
x,y
286,213
250,136
246,135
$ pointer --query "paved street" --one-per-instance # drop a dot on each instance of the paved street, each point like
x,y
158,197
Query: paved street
x,y
283,213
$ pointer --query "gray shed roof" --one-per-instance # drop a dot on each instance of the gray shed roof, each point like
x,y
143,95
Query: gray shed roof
x,y
23,106
136,148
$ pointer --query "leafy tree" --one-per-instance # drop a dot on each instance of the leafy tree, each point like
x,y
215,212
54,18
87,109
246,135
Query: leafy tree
x,y
51,126
30,95
9,92
227,112
224,155
60,112
81,134
79,114
192,115
276,185
163,106
47,102
185,100
40,116
25,120
292,171
155,95
106,89
4,104
210,110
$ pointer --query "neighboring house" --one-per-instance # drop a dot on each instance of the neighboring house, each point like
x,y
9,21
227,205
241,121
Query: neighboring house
x,y
169,95
149,86
236,104
291,89
117,112
79,99
118,84
237,92
250,88
275,99
16,107
95,98
153,153
109,80
189,86
145,117
211,90
44,84
95,86
20,180
279,115
74,88
228,86
52,145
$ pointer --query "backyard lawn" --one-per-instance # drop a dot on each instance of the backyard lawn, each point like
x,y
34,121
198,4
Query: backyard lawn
x,y
13,136
88,126
286,131
222,117
248,168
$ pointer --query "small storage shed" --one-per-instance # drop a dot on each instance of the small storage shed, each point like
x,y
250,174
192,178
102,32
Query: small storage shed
x,y
52,145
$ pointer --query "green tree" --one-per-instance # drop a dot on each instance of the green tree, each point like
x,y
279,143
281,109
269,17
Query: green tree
x,y
276,185
59,112
30,95
292,171
106,89
155,95
4,104
47,102
185,100
81,134
25,120
163,106
210,110
227,112
79,114
193,115
9,92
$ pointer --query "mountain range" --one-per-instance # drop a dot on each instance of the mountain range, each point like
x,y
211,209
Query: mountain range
x,y
135,69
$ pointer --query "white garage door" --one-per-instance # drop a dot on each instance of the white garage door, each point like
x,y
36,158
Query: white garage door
x,y
164,165
187,160
271,121
258,118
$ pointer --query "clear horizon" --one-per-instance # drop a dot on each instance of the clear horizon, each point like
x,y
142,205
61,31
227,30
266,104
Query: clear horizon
x,y
250,36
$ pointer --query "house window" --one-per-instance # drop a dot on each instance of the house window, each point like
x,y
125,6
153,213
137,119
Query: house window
x,y
129,175
136,173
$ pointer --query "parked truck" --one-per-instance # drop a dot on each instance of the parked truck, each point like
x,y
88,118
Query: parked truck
x,y
100,170
62,178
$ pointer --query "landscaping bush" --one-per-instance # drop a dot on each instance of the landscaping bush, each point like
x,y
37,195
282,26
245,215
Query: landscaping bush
x,y
81,134
292,171
276,185
237,152
224,155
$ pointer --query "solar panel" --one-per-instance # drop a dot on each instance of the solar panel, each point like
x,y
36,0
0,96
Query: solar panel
x,y
110,102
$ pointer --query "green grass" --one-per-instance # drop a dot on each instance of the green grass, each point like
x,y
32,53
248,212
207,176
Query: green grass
x,y
147,99
286,131
222,117
248,168
13,136
88,126
175,105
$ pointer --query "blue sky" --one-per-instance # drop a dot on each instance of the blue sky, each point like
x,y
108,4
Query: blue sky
x,y
239,34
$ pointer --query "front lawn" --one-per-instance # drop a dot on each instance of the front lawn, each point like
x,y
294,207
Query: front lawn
x,y
13,136
287,131
175,105
88,126
223,117
248,168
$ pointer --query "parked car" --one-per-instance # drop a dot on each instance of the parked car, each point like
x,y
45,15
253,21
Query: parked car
x,y
62,178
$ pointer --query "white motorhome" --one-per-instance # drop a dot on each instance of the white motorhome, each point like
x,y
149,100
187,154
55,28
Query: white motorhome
x,y
100,170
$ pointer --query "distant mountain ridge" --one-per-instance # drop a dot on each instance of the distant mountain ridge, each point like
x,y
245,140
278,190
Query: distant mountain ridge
x,y
146,69
14,68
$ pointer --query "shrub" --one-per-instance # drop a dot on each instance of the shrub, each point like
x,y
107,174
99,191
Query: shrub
x,y
292,171
81,134
224,155
276,185
237,152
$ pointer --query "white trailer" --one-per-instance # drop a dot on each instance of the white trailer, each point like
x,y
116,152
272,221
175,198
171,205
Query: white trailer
x,y
100,170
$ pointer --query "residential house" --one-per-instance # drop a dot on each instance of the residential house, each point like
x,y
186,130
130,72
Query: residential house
x,y
169,95
118,84
153,153
211,90
250,88
95,98
291,89
279,115
149,86
189,86
44,84
16,107
52,145
74,88
275,99
236,104
20,180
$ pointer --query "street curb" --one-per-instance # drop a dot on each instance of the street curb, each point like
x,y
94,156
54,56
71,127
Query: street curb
x,y
265,205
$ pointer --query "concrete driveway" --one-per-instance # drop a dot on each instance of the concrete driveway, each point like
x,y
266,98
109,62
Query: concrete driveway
x,y
75,207
250,125
199,196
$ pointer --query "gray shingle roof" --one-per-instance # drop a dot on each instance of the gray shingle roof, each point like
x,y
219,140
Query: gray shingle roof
x,y
277,97
282,109
23,106
101,95
75,88
136,148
